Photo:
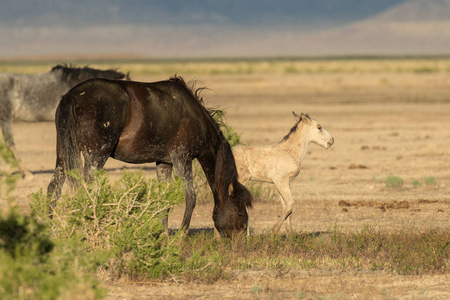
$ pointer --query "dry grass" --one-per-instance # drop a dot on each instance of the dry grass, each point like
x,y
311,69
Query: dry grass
x,y
249,66
402,251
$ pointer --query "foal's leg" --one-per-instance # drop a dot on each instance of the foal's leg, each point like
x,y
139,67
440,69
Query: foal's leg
x,y
287,202
183,167
164,173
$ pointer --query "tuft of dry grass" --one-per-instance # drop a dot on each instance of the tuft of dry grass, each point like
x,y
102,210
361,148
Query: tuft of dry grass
x,y
403,251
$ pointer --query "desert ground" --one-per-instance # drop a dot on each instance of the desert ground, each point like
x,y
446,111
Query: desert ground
x,y
383,123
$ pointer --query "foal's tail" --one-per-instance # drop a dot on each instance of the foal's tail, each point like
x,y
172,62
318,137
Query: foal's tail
x,y
68,151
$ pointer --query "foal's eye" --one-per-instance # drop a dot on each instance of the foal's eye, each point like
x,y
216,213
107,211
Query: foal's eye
x,y
319,127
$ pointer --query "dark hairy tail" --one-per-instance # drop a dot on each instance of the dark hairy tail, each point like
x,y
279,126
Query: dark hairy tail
x,y
65,121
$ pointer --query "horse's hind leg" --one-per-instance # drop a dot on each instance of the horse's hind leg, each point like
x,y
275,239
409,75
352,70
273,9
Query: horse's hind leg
x,y
92,163
164,173
287,202
55,185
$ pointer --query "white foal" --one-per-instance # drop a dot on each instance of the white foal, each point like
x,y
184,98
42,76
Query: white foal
x,y
279,164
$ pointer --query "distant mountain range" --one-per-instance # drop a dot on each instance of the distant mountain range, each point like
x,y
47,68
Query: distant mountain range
x,y
208,28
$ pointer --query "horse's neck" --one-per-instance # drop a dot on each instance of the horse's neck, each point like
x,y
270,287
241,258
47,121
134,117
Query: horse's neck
x,y
297,143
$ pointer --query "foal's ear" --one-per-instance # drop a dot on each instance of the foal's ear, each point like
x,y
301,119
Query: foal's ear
x,y
305,118
297,117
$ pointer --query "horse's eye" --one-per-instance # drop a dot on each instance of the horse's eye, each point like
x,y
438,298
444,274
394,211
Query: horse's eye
x,y
319,127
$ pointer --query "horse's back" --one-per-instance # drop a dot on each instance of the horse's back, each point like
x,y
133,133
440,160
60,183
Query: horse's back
x,y
145,121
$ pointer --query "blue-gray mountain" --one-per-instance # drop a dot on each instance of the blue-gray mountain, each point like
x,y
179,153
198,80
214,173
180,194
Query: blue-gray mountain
x,y
237,12
209,28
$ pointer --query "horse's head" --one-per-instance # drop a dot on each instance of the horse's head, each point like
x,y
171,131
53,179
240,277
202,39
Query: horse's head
x,y
231,215
316,133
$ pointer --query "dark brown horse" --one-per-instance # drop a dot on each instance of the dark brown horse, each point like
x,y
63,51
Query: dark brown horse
x,y
162,122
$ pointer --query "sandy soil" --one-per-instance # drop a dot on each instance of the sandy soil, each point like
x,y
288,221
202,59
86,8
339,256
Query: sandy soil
x,y
382,124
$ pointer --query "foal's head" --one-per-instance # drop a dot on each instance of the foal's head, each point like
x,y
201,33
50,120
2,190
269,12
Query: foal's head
x,y
316,133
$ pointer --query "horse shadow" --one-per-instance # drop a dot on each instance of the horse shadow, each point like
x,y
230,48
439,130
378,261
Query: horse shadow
x,y
210,231
194,231
128,168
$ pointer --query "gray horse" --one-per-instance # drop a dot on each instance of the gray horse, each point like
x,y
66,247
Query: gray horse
x,y
34,97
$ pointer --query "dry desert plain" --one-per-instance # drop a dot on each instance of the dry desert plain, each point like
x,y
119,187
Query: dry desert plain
x,y
383,123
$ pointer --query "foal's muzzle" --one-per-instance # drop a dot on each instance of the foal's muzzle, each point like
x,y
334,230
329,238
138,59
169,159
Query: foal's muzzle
x,y
330,143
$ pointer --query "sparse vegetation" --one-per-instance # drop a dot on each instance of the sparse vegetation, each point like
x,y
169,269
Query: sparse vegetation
x,y
402,251
416,183
262,192
8,163
429,180
123,219
32,264
393,181
294,65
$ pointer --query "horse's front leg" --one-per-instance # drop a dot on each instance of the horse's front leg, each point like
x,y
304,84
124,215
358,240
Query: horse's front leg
x,y
287,203
164,173
9,140
183,167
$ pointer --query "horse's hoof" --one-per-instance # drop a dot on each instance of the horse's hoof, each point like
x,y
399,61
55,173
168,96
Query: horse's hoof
x,y
27,175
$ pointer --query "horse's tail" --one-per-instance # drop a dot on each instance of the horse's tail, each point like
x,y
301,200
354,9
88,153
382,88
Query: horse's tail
x,y
227,176
69,150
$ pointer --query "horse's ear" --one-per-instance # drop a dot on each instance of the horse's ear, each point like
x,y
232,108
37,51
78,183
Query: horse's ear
x,y
230,189
297,117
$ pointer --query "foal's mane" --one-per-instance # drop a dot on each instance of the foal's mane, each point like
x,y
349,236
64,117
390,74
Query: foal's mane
x,y
72,73
295,127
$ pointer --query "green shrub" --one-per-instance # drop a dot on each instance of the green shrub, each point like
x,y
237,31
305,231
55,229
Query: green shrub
x,y
123,219
429,180
32,266
416,183
393,181
7,163
229,133
261,192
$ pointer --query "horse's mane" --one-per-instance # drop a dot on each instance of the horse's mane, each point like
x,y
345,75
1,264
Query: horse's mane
x,y
72,73
196,93
294,128
225,158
